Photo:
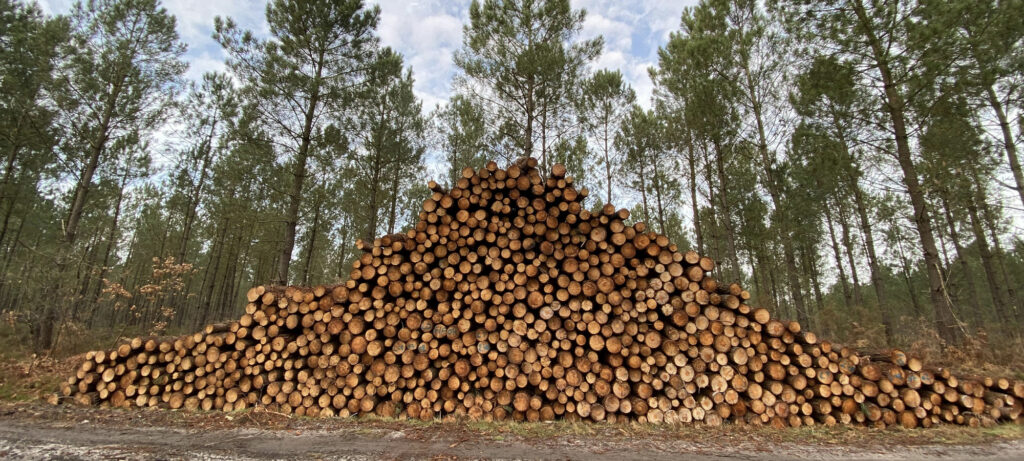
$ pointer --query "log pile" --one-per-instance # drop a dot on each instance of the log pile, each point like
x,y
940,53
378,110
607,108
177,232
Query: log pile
x,y
509,300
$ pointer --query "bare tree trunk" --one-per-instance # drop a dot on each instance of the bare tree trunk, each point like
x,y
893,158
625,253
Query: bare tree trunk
x,y
657,192
8,197
373,206
393,208
544,138
894,104
45,334
869,245
298,179
695,208
1008,144
111,237
726,211
988,264
342,251
530,116
643,191
1011,307
715,229
196,196
838,258
943,247
312,244
812,271
905,266
844,225
961,254
607,162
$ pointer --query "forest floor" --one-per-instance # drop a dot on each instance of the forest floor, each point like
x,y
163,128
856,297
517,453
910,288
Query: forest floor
x,y
34,430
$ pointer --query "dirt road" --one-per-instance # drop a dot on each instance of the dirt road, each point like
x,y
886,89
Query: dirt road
x,y
39,432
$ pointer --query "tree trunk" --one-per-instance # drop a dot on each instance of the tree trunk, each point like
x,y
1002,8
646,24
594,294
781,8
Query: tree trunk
x,y
393,208
342,250
311,246
111,237
726,211
943,247
196,196
894,104
607,160
987,264
1008,144
844,225
530,115
643,190
298,179
905,267
988,217
869,245
45,335
961,254
544,137
8,197
373,207
715,229
847,298
812,271
767,280
695,208
8,213
1013,305
782,227
657,192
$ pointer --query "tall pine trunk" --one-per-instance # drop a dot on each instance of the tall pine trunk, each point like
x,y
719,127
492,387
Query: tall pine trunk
x,y
1008,143
298,179
847,298
310,247
196,196
726,211
895,106
869,244
961,254
694,206
844,225
46,329
607,159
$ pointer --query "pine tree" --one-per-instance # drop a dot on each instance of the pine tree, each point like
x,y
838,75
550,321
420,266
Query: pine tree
x,y
605,102
520,60
390,136
300,79
122,70
902,54
208,112
28,58
463,135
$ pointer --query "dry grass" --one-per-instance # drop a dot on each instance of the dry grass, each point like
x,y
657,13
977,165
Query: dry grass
x,y
32,378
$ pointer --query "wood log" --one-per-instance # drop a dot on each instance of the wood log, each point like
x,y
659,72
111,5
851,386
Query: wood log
x,y
510,300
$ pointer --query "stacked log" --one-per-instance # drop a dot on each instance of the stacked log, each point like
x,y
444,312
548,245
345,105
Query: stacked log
x,y
510,300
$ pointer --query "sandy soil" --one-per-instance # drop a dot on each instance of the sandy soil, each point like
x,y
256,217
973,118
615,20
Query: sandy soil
x,y
37,431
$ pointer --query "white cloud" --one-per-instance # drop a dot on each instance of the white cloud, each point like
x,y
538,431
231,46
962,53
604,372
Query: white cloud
x,y
617,34
428,32
427,35
633,32
204,63
195,17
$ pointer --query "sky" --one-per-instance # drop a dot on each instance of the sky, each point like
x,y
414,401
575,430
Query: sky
x,y
428,32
